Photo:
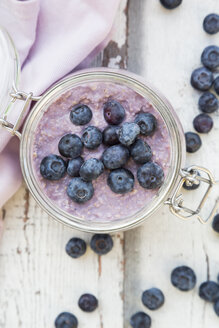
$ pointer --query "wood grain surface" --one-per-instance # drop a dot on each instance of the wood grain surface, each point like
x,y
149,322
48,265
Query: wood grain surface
x,y
38,280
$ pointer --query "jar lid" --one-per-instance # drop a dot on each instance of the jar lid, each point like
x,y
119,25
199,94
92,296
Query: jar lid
x,y
10,68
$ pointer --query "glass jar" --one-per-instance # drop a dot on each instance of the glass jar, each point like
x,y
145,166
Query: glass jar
x,y
169,192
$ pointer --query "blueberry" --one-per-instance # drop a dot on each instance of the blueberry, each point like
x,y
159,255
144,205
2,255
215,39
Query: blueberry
x,y
79,190
88,303
141,152
215,223
216,85
216,307
113,112
92,137
183,278
153,298
202,79
203,123
80,114
140,320
121,181
70,146
208,102
53,167
115,157
147,123
171,4
76,247
101,244
74,166
110,136
66,320
210,57
150,175
190,185
91,169
209,291
128,133
211,23
193,142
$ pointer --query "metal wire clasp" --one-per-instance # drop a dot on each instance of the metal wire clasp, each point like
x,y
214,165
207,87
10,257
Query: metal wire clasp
x,y
189,176
17,95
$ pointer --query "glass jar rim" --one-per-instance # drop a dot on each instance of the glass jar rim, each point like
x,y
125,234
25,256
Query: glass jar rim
x,y
140,86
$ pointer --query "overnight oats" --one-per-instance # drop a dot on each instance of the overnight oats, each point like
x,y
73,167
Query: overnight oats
x,y
101,152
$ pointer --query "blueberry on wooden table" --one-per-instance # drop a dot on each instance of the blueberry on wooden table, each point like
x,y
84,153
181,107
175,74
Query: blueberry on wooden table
x,y
202,79
141,152
88,303
203,123
216,307
92,137
208,102
115,157
147,123
110,136
74,166
76,247
209,291
171,4
150,175
113,112
140,320
53,167
216,85
121,181
80,191
210,57
192,186
70,146
215,223
66,320
193,142
101,244
153,298
91,169
80,114
128,133
183,278
211,23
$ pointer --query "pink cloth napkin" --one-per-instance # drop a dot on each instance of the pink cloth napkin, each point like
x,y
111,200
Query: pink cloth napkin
x,y
52,38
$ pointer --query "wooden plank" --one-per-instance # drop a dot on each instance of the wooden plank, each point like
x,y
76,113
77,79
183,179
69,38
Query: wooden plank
x,y
38,280
164,47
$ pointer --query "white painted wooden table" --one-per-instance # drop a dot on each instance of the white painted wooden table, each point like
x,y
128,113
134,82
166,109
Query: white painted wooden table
x,y
38,280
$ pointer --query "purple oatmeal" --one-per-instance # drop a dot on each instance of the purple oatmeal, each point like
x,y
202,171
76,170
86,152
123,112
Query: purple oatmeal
x,y
105,205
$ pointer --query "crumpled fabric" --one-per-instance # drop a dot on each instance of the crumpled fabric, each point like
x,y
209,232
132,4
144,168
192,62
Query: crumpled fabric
x,y
52,37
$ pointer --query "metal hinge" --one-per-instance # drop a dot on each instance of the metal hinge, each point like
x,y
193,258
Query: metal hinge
x,y
190,176
17,95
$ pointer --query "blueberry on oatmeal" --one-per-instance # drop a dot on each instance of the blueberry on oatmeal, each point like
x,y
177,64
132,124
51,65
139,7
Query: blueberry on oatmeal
x,y
113,112
79,190
53,167
141,152
150,175
91,169
121,181
80,114
115,157
74,166
128,133
92,137
70,146
147,123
